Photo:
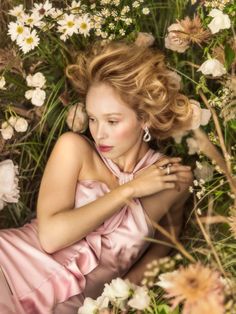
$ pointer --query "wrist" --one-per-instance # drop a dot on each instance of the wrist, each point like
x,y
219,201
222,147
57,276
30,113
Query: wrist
x,y
127,191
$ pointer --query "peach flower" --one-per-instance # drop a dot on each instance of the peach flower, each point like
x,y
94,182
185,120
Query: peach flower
x,y
77,118
144,39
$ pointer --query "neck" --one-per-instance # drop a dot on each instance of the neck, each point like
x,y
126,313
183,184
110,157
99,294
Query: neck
x,y
127,162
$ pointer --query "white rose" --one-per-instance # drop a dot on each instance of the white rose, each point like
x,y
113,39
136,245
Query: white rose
x,y
12,121
21,125
140,299
199,116
37,96
193,147
6,131
36,80
2,82
9,191
144,40
213,67
118,288
89,306
220,21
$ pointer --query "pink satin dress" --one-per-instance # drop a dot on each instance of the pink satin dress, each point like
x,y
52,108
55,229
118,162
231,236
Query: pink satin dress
x,y
58,283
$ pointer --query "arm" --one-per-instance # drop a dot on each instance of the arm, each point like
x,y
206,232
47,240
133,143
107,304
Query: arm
x,y
60,224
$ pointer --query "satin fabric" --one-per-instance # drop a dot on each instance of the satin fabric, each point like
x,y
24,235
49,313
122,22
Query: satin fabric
x,y
47,283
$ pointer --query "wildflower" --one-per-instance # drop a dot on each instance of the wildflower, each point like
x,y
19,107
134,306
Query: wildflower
x,y
89,306
16,30
43,9
220,21
136,4
145,11
2,82
31,20
37,96
36,80
175,40
197,286
212,67
21,125
199,116
68,25
29,41
17,11
140,299
6,131
12,121
117,289
84,25
9,190
77,119
144,40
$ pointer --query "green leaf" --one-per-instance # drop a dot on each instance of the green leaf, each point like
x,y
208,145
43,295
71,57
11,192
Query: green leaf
x,y
165,309
229,56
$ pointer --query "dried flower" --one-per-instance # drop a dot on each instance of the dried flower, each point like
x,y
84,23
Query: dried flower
x,y
176,39
77,118
199,287
9,191
205,172
144,40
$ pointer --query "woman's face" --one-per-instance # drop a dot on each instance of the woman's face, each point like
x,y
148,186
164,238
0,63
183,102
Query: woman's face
x,y
111,122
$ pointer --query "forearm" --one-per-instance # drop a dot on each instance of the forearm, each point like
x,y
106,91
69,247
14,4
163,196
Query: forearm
x,y
69,226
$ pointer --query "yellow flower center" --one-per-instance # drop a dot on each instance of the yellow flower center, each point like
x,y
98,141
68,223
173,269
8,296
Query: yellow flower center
x,y
19,29
29,40
29,20
70,23
83,25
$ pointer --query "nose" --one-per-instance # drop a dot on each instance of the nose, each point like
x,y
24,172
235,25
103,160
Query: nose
x,y
101,132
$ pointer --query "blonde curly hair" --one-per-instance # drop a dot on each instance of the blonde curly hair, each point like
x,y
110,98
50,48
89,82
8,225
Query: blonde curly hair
x,y
141,78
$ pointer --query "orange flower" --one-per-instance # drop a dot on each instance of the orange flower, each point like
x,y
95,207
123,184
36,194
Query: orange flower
x,y
197,286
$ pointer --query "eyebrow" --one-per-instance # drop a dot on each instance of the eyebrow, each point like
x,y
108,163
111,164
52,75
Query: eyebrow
x,y
108,114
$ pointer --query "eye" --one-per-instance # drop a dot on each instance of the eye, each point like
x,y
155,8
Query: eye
x,y
91,119
112,122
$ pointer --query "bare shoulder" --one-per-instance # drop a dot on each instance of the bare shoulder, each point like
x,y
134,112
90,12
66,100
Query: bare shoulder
x,y
61,174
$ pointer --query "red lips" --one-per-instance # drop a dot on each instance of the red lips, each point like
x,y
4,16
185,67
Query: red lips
x,y
104,148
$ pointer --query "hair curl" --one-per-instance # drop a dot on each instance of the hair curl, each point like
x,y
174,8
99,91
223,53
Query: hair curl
x,y
142,80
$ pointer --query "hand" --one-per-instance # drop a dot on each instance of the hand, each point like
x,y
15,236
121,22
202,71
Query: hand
x,y
165,174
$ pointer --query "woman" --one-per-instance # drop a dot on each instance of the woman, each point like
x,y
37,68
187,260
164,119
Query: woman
x,y
98,197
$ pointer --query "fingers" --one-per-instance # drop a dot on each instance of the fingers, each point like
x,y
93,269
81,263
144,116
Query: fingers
x,y
165,161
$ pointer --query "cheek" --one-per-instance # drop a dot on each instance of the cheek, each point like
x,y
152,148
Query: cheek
x,y
127,132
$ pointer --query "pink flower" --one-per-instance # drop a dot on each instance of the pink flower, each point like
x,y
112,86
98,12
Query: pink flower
x,y
175,39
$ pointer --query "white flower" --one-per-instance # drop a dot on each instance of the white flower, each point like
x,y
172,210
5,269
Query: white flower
x,y
21,125
56,13
16,30
213,67
140,299
84,25
12,121
9,191
144,39
220,21
145,11
199,116
29,41
6,131
31,20
173,41
17,11
36,80
89,307
118,288
2,82
43,8
192,146
37,96
68,25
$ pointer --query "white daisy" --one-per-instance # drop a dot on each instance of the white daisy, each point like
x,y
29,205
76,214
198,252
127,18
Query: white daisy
x,y
75,6
16,30
32,20
84,25
29,41
43,8
56,13
17,11
68,26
